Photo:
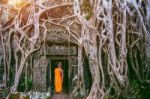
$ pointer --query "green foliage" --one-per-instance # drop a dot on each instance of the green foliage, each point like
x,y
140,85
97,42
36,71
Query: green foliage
x,y
22,84
1,73
139,90
86,6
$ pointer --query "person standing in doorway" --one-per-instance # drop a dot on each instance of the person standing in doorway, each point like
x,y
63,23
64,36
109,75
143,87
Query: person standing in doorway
x,y
58,80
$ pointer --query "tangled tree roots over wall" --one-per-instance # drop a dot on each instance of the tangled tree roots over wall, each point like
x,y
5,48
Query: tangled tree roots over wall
x,y
113,34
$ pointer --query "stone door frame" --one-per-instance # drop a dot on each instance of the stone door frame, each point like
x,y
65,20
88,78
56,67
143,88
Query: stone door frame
x,y
50,58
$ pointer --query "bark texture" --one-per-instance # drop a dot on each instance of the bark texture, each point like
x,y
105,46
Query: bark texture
x,y
110,32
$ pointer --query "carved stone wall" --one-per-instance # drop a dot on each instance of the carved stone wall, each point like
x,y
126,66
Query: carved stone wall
x,y
61,50
39,72
60,35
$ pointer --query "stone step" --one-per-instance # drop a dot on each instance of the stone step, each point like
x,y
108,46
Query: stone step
x,y
61,96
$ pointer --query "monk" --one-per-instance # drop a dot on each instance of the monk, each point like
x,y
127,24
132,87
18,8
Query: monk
x,y
58,80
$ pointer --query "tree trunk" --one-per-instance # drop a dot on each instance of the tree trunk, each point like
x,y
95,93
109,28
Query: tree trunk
x,y
96,92
18,75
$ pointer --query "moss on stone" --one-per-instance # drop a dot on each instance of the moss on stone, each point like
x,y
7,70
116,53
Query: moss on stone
x,y
87,8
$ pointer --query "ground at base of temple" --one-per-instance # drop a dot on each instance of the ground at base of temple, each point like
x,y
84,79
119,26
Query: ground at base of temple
x,y
61,96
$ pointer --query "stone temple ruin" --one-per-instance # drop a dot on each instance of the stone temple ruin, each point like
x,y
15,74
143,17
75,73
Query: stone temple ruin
x,y
59,46
58,49
103,46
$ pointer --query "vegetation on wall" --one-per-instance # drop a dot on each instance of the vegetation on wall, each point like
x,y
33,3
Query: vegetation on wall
x,y
87,8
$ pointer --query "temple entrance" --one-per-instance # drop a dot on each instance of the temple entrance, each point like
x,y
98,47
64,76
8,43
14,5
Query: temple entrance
x,y
65,67
43,78
67,55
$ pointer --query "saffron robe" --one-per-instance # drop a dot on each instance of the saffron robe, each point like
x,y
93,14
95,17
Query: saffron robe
x,y
58,79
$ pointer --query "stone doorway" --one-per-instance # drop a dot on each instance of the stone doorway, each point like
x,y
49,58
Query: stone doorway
x,y
65,66
43,70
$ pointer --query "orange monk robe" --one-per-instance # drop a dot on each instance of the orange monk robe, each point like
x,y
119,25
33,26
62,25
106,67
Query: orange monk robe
x,y
58,79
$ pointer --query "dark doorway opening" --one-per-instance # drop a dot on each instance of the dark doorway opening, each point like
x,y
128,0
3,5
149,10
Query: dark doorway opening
x,y
65,67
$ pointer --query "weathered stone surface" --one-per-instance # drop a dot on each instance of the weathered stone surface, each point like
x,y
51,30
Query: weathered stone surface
x,y
29,95
39,95
18,95
39,73
61,96
61,50
59,35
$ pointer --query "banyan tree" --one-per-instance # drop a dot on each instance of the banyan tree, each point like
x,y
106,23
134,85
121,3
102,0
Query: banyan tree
x,y
104,45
